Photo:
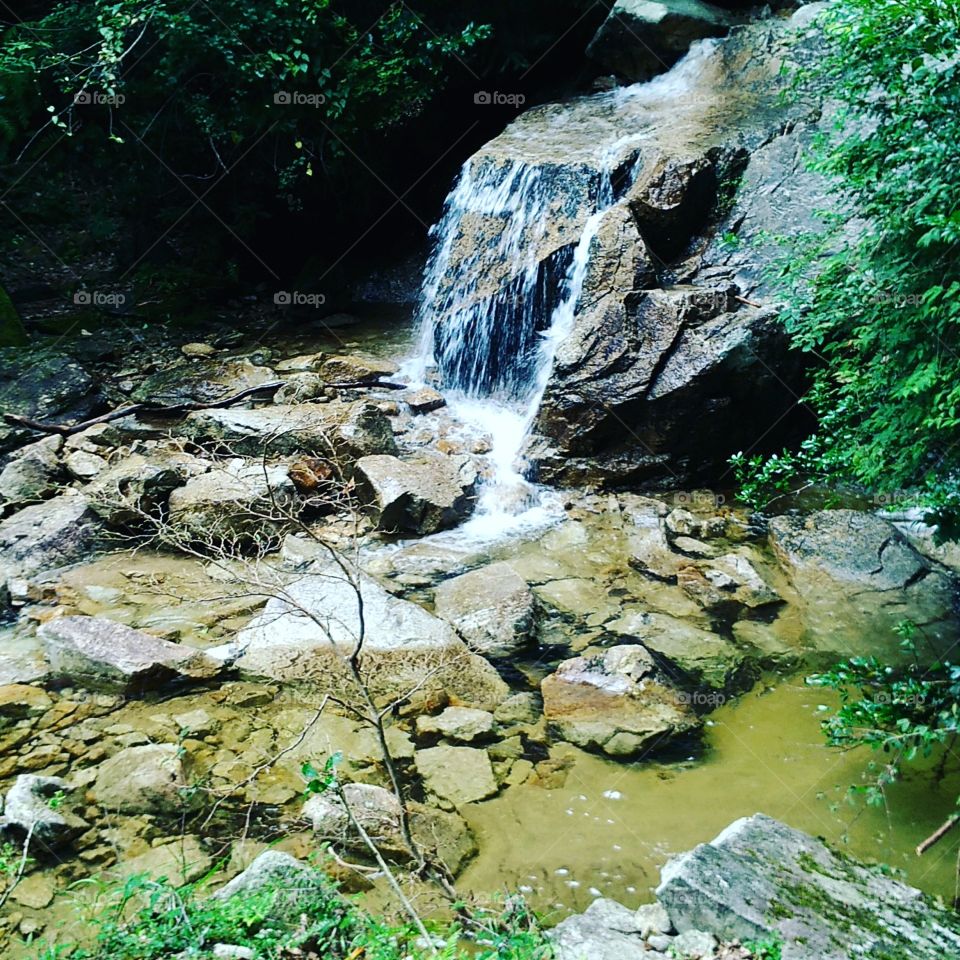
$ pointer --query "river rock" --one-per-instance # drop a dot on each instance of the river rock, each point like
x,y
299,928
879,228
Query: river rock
x,y
98,653
272,867
44,536
181,861
615,703
354,369
304,634
420,496
27,809
857,577
760,879
376,810
241,502
205,380
424,400
686,653
20,701
727,585
641,38
43,385
458,775
606,930
458,723
33,473
145,779
492,608
299,388
340,428
134,492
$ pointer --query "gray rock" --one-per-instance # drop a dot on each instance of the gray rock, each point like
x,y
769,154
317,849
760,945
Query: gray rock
x,y
615,703
230,951
376,810
349,368
425,400
686,652
98,653
135,491
457,774
492,608
33,473
606,930
641,38
694,944
145,779
240,502
857,577
299,388
45,536
760,878
200,379
269,869
458,723
346,430
421,496
83,465
727,585
43,385
652,918
27,809
520,708
305,635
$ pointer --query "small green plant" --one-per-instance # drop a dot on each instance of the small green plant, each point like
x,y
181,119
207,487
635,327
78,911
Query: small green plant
x,y
319,781
766,948
55,802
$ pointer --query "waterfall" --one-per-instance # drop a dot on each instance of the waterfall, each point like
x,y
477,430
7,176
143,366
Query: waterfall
x,y
493,308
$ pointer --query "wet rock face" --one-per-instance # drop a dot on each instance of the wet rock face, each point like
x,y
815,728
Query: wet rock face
x,y
615,703
760,878
641,38
857,577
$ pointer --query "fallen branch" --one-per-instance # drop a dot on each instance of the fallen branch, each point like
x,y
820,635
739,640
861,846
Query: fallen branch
x,y
938,834
178,409
749,303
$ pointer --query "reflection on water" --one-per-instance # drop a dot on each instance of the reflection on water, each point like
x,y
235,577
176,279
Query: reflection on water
x,y
610,828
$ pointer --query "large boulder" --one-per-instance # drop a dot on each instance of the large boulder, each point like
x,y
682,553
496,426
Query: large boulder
x,y
201,380
237,503
42,385
760,880
314,622
149,779
273,869
97,653
418,496
44,536
615,702
33,473
492,608
338,429
641,38
857,576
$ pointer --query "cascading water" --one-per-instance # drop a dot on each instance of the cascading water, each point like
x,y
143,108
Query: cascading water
x,y
493,308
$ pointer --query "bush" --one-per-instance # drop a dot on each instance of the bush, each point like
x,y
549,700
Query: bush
x,y
875,301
